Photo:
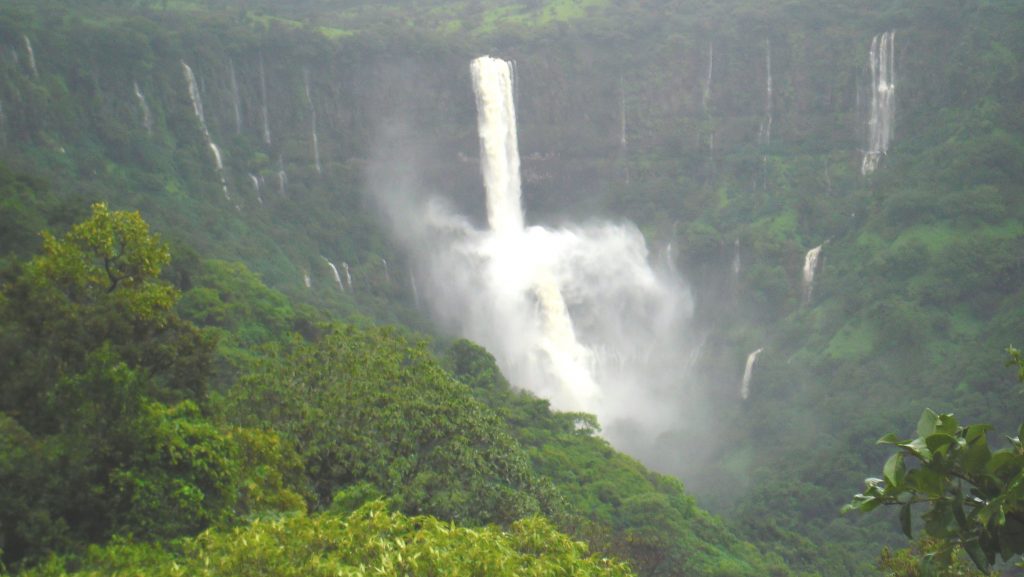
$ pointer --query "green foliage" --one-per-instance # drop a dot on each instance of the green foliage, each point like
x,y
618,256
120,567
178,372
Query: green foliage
x,y
909,562
102,432
975,496
98,287
370,541
924,302
615,503
366,405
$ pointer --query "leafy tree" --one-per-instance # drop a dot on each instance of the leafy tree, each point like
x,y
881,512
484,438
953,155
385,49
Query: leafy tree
x,y
908,562
367,406
97,286
101,429
974,495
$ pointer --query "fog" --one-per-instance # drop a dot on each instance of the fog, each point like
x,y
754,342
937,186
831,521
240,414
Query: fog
x,y
580,314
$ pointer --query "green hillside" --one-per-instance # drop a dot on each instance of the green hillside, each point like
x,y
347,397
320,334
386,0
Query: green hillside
x,y
653,112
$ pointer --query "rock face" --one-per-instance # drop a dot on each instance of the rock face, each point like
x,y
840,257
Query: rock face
x,y
692,96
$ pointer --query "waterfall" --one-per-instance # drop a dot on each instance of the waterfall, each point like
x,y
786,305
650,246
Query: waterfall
x,y
282,178
263,103
576,313
881,61
499,146
193,94
312,113
387,273
334,270
764,136
31,57
306,280
810,267
623,143
622,114
747,372
197,107
256,187
566,358
348,275
236,99
706,98
147,118
736,259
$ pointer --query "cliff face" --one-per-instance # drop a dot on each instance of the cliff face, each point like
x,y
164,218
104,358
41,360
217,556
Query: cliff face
x,y
660,112
677,95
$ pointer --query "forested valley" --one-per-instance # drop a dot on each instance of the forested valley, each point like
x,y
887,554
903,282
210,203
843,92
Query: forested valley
x,y
557,287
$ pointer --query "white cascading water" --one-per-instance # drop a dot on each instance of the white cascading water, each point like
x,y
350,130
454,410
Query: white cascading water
x,y
748,372
622,114
282,182
736,264
882,64
706,97
147,118
348,275
764,136
576,314
623,142
810,268
312,114
197,107
256,188
306,280
334,271
387,272
282,178
263,103
236,99
31,57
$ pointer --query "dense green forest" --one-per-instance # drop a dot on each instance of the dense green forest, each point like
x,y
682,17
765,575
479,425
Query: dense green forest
x,y
165,398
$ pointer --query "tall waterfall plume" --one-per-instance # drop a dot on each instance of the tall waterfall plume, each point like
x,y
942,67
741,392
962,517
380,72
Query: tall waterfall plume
x,y
263,103
31,57
577,314
312,114
810,268
197,107
236,99
748,372
882,64
147,117
499,144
